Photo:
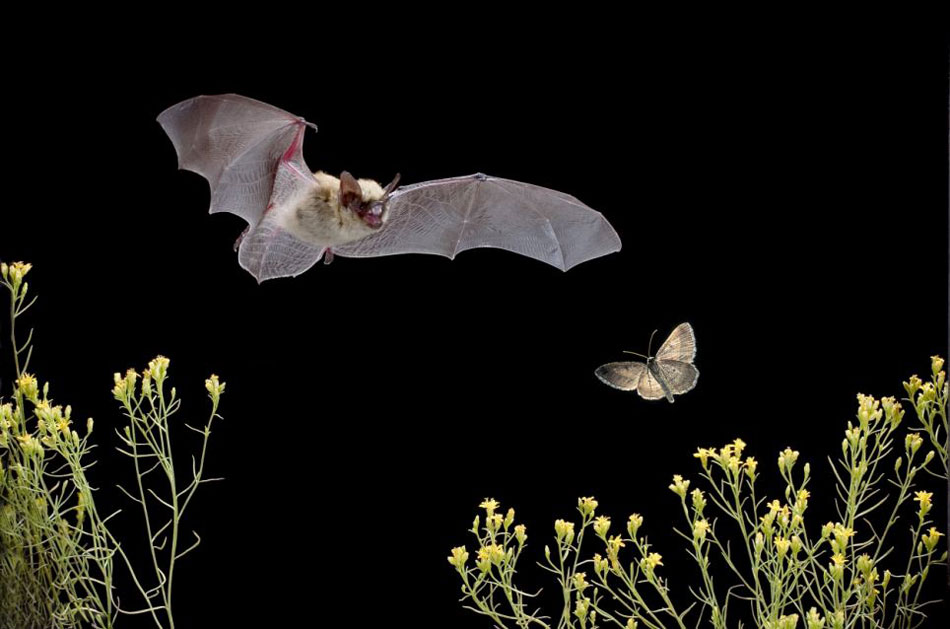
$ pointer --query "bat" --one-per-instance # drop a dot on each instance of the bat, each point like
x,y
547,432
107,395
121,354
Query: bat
x,y
671,372
251,153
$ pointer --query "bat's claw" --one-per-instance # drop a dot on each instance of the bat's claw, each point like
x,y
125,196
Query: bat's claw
x,y
328,256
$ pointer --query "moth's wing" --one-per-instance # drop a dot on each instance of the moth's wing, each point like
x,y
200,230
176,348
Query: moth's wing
x,y
622,375
679,376
680,345
251,153
447,216
649,387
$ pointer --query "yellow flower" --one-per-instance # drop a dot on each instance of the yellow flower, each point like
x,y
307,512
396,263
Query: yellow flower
x,y
601,526
679,486
814,619
699,529
750,465
159,368
923,497
796,542
932,539
459,557
147,383
724,454
912,386
493,522
600,565
912,443
631,624
737,447
650,562
787,622
520,533
893,411
213,386
581,608
787,459
699,500
936,364
841,534
869,410
633,525
15,272
586,505
28,386
801,502
509,518
489,505
493,553
782,545
703,455
836,567
564,531
614,544
580,581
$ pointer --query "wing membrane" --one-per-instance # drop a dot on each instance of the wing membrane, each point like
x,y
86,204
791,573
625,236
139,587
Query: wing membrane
x,y
680,377
622,375
649,387
448,216
680,345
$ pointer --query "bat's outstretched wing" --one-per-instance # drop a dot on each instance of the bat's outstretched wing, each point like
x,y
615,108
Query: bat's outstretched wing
x,y
447,216
251,153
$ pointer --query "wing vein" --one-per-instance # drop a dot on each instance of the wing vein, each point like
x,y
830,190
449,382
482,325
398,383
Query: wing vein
x,y
468,212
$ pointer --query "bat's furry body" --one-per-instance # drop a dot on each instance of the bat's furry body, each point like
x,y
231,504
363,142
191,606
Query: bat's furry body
x,y
317,216
252,155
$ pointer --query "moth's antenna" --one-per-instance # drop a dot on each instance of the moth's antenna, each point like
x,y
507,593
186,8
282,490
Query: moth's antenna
x,y
650,345
636,354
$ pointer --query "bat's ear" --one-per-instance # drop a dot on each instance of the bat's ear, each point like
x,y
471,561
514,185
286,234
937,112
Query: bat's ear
x,y
351,195
392,186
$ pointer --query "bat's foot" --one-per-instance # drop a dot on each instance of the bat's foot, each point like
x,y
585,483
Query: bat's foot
x,y
240,239
328,256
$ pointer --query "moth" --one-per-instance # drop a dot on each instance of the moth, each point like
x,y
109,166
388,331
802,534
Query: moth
x,y
671,372
251,153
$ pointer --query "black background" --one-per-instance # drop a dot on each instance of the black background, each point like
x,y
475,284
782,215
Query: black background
x,y
782,186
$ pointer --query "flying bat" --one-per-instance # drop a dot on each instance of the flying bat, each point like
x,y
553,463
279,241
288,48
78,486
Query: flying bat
x,y
671,372
251,153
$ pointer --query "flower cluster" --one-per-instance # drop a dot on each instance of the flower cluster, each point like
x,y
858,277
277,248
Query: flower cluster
x,y
847,573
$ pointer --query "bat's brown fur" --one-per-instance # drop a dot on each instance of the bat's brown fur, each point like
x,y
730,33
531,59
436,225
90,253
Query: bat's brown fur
x,y
318,217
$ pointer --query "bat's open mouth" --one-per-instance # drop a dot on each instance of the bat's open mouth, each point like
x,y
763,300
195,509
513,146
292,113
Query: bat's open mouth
x,y
374,213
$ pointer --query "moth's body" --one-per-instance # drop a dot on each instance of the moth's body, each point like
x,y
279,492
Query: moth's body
x,y
317,216
660,378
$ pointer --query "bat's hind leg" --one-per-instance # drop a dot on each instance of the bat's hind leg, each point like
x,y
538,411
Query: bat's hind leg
x,y
328,256
240,239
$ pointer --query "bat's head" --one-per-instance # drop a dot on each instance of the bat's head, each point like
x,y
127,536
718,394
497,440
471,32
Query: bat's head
x,y
365,198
